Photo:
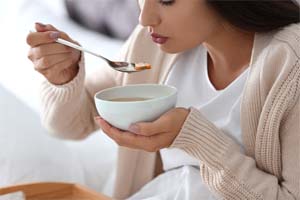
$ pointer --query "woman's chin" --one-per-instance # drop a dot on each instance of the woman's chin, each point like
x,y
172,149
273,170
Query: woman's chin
x,y
170,50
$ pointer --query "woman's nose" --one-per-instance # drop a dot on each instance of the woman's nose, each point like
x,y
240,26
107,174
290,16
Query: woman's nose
x,y
149,15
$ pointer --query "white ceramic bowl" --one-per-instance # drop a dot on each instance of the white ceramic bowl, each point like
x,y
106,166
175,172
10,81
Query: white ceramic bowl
x,y
122,114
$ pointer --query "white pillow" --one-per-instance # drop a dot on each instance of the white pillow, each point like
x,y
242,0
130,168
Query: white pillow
x,y
28,154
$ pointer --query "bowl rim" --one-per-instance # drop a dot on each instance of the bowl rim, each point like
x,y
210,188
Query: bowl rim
x,y
174,92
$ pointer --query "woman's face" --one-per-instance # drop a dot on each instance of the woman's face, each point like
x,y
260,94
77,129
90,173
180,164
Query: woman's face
x,y
178,25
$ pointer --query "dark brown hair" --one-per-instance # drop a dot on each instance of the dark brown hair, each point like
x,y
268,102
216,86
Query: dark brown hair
x,y
258,15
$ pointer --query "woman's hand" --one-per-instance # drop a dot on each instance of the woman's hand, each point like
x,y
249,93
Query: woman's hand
x,y
58,63
148,136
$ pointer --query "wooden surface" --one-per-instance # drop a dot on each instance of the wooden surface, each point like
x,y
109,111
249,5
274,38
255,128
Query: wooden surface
x,y
54,191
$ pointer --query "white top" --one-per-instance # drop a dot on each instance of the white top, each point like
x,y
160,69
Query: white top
x,y
221,107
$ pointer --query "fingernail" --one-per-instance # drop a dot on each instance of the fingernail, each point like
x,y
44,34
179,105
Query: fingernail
x,y
134,128
54,35
40,24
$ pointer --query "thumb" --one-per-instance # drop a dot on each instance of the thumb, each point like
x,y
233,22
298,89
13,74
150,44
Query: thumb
x,y
40,27
160,125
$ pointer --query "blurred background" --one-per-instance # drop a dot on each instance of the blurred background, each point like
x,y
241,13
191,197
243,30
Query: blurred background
x,y
27,152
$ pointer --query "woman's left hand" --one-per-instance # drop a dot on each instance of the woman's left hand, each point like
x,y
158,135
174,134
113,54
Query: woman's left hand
x,y
148,136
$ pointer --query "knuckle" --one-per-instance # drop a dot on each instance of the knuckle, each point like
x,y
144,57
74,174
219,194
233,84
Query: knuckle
x,y
30,56
37,51
29,39
38,68
44,62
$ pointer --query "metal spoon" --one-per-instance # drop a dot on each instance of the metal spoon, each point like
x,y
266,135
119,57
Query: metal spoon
x,y
119,66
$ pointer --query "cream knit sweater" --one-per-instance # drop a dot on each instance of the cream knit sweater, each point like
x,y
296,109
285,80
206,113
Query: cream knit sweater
x,y
270,117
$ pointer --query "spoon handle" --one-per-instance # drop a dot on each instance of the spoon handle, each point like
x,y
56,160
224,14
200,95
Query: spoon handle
x,y
72,45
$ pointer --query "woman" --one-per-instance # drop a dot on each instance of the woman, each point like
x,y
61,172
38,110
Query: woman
x,y
237,68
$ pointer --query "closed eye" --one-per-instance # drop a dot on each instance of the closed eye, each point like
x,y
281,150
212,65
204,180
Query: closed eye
x,y
166,2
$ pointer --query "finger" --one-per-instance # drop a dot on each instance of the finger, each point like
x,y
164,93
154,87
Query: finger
x,y
48,62
37,38
131,140
40,27
46,50
48,27
158,126
122,138
105,126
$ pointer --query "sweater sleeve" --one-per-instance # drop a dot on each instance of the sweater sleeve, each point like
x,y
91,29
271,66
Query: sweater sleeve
x,y
226,170
68,110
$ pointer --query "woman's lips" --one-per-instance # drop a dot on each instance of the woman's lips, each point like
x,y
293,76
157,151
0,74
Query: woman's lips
x,y
158,38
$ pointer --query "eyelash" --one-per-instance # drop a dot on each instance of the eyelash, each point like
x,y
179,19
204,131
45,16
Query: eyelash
x,y
166,3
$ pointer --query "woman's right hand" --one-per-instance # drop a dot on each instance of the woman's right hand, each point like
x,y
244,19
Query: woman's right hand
x,y
57,62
